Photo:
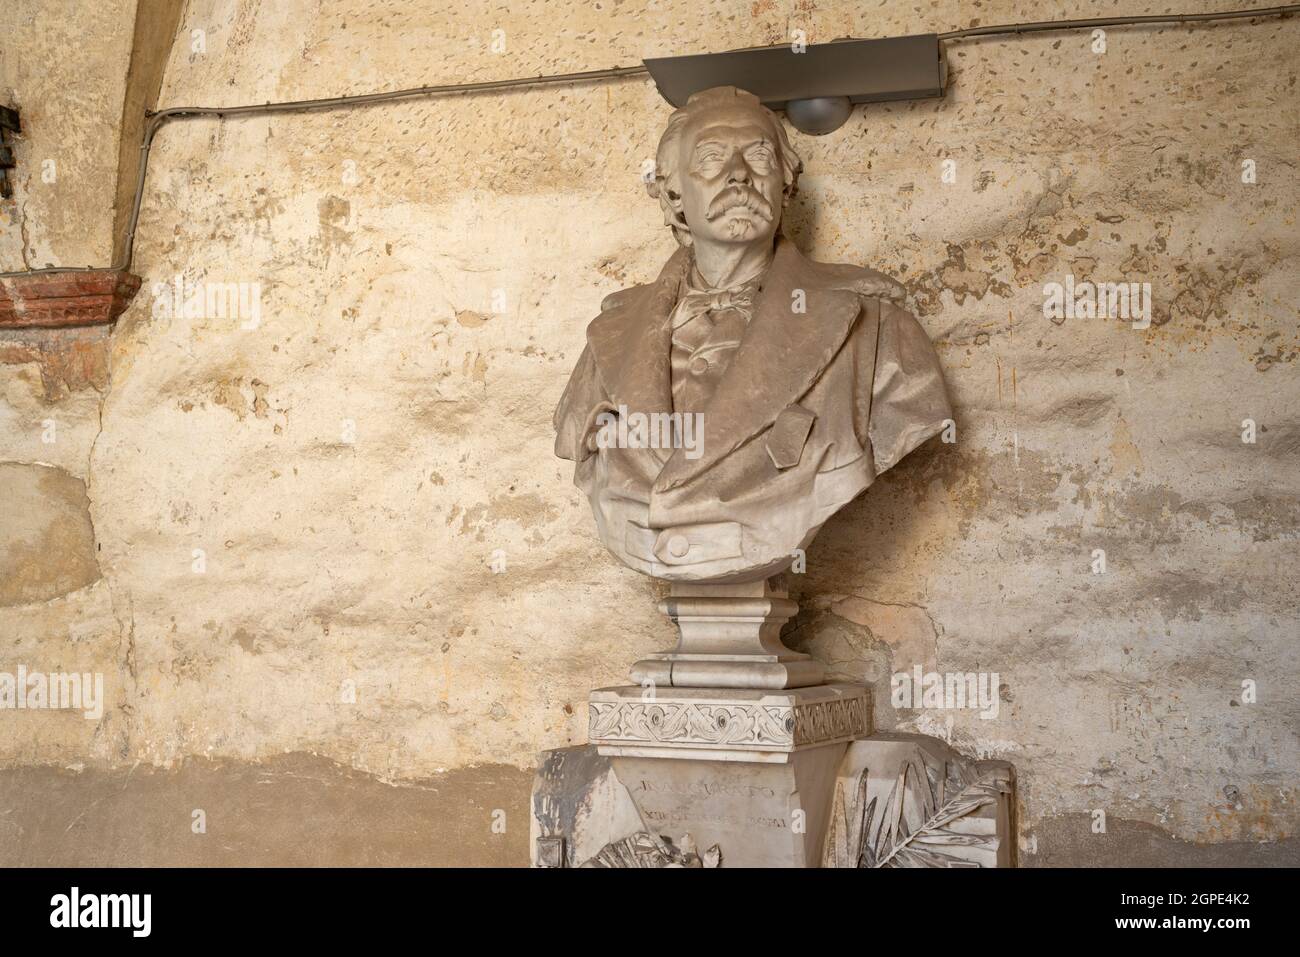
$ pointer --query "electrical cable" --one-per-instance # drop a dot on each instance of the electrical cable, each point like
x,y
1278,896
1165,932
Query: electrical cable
x,y
1045,25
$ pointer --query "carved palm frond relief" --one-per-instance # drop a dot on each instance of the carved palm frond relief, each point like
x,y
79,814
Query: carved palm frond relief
x,y
913,829
910,800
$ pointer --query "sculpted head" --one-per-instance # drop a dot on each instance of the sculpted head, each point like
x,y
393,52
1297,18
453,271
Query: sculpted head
x,y
724,170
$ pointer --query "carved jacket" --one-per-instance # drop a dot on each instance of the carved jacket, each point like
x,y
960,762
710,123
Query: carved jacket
x,y
813,406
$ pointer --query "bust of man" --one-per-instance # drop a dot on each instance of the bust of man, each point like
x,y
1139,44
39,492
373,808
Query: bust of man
x,y
719,415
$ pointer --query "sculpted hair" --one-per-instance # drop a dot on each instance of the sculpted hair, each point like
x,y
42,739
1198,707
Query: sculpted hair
x,y
665,186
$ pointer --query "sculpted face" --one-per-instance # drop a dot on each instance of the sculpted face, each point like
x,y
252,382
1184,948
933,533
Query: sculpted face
x,y
731,177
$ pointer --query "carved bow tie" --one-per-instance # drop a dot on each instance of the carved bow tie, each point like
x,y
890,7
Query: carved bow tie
x,y
695,304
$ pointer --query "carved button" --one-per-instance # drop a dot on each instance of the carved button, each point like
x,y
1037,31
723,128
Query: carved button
x,y
699,365
678,546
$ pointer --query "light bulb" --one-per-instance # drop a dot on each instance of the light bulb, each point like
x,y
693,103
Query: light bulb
x,y
819,115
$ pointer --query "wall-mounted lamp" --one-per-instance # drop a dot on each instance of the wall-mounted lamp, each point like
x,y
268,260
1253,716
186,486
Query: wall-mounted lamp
x,y
818,86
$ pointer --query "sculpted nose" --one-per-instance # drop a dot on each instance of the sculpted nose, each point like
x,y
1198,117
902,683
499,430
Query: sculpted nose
x,y
738,172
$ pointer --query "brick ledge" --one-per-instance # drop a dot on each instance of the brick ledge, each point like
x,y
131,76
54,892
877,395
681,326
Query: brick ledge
x,y
84,297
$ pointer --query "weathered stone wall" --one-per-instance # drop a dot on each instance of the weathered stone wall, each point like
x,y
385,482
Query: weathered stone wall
x,y
296,509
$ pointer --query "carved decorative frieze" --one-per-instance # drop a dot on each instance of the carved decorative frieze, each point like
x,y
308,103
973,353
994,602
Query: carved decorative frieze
x,y
687,723
832,720
781,725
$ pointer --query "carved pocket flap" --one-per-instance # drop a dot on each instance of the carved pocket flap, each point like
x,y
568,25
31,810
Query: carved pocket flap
x,y
789,432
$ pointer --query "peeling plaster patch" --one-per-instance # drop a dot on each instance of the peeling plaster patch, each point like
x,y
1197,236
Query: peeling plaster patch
x,y
336,228
69,359
45,527
1125,454
526,510
906,628
230,394
1267,517
247,641
956,277
980,483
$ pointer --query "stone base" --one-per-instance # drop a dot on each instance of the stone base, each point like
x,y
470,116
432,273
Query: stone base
x,y
657,792
745,775
746,771
590,810
756,814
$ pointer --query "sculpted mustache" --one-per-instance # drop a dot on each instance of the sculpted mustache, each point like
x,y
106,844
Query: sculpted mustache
x,y
739,196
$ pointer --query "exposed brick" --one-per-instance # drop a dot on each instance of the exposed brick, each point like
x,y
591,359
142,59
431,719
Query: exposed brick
x,y
70,359
85,297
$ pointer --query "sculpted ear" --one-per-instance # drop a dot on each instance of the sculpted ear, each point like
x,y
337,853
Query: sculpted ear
x,y
663,191
670,201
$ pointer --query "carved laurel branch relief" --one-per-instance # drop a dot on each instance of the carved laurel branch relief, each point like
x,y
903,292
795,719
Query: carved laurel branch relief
x,y
646,850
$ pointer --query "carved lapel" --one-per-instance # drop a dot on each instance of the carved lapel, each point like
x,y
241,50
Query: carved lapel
x,y
631,341
779,358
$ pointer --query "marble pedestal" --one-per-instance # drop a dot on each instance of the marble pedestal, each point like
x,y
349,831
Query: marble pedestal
x,y
898,800
729,742
751,772
730,751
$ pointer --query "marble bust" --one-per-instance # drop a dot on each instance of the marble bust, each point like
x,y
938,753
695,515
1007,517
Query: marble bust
x,y
720,414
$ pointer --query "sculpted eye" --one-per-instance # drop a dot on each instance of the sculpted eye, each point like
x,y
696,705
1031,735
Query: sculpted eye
x,y
759,155
708,156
